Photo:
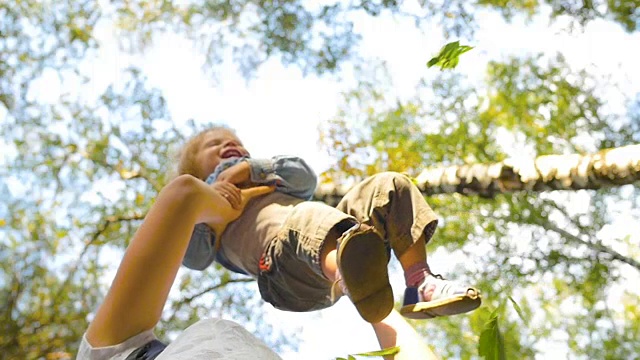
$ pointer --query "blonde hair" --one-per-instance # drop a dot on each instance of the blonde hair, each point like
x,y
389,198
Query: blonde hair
x,y
186,156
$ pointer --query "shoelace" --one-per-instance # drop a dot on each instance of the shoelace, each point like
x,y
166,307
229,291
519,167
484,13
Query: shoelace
x,y
442,289
338,289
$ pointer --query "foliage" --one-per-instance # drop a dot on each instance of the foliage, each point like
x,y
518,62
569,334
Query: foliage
x,y
389,351
79,182
79,170
546,251
491,342
35,37
319,38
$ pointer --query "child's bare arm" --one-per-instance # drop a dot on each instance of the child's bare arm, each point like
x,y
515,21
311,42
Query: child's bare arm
x,y
139,291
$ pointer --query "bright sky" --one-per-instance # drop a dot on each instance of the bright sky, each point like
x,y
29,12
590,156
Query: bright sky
x,y
279,112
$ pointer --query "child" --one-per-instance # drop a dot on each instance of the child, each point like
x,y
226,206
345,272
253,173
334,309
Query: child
x,y
123,324
306,254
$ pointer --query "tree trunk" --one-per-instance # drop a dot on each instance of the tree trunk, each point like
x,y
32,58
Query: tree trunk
x,y
606,168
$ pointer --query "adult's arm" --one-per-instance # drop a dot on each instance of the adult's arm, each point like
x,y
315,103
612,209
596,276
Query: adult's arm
x,y
148,269
394,330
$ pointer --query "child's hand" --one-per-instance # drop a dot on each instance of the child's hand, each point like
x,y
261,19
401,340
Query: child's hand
x,y
238,174
230,192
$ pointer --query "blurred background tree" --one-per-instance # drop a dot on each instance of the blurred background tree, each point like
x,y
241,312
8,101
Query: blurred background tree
x,y
546,250
79,170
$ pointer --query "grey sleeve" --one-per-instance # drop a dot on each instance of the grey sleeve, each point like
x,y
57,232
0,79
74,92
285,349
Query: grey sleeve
x,y
290,174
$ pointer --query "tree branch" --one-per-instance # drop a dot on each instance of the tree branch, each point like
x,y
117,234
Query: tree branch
x,y
606,168
92,239
591,244
191,298
15,290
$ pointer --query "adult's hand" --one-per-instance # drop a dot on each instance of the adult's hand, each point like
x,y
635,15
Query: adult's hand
x,y
230,192
226,213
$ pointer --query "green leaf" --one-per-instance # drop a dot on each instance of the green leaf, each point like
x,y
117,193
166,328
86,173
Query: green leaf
x,y
491,345
448,57
518,310
433,61
388,351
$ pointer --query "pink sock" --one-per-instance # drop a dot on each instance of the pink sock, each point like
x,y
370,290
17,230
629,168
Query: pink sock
x,y
416,273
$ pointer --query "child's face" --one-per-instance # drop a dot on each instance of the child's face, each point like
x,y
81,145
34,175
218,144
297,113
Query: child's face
x,y
217,145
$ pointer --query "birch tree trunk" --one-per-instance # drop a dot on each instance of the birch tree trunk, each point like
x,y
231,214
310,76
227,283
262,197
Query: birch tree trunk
x,y
606,168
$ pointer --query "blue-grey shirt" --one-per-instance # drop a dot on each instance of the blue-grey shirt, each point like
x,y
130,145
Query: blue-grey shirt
x,y
290,174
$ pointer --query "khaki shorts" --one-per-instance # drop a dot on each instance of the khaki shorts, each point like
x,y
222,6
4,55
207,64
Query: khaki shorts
x,y
291,276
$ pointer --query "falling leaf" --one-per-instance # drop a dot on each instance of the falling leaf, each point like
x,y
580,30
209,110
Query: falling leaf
x,y
449,55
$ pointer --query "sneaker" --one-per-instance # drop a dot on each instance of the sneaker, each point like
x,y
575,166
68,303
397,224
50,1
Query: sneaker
x,y
439,297
362,266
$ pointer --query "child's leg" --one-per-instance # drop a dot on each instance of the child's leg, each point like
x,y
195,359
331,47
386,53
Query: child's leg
x,y
328,259
300,265
415,254
397,210
361,258
392,204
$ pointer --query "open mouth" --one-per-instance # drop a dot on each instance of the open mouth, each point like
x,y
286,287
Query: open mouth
x,y
229,153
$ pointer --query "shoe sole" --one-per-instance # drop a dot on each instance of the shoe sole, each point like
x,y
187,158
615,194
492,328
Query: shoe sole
x,y
444,307
362,258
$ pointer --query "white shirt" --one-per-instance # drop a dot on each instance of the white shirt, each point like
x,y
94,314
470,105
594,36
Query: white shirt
x,y
206,339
